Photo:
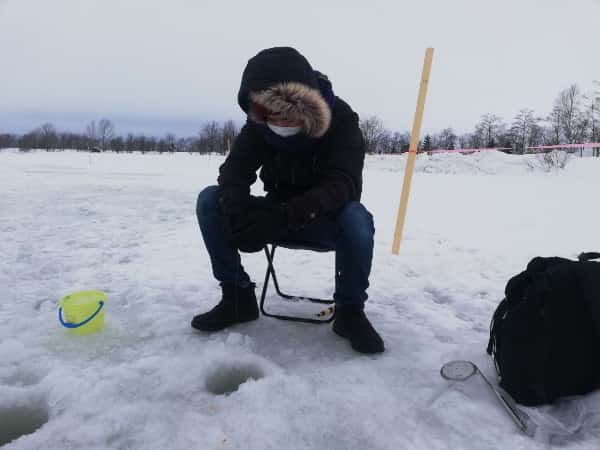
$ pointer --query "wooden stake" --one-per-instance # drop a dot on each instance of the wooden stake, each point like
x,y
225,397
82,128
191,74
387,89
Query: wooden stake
x,y
412,150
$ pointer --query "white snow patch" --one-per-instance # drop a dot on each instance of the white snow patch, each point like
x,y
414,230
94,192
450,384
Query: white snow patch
x,y
125,224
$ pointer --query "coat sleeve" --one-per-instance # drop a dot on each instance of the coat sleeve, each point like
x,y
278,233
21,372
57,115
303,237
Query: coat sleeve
x,y
238,172
341,177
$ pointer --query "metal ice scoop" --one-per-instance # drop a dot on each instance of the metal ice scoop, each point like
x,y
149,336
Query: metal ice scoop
x,y
463,370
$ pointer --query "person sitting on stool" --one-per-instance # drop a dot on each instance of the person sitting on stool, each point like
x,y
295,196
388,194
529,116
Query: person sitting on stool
x,y
310,151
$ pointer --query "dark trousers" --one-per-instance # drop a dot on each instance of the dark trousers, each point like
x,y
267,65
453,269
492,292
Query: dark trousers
x,y
349,234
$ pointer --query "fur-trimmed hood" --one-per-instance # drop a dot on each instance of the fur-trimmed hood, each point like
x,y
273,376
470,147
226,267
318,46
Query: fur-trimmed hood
x,y
281,80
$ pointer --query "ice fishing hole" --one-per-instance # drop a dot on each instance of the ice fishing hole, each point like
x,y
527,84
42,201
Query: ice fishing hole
x,y
18,421
227,379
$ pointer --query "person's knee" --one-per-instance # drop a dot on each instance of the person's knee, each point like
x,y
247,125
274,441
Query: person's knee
x,y
356,223
208,201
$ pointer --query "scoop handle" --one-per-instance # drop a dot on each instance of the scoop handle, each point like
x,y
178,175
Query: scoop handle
x,y
508,403
80,324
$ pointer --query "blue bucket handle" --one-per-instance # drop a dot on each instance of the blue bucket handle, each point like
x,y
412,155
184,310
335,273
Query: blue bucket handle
x,y
80,324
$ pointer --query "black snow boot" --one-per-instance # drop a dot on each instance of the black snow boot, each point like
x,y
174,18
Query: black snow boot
x,y
237,305
352,323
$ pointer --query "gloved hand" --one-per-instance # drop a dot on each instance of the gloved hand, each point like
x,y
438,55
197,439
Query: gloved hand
x,y
262,221
240,206
256,203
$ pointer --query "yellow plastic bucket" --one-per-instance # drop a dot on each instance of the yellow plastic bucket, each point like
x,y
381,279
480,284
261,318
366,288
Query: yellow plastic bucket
x,y
83,312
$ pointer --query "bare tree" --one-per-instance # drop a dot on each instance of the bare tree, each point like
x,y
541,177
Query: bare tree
x,y
117,144
445,139
186,144
229,133
465,140
554,129
210,138
400,142
130,144
29,140
170,140
592,113
64,139
8,140
151,144
488,131
596,116
48,137
139,143
570,116
106,131
373,131
525,130
386,142
92,134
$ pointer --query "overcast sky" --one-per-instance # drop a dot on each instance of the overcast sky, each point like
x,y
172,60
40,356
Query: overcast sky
x,y
168,66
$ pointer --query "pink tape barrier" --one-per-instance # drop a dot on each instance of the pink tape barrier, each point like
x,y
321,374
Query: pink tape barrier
x,y
541,147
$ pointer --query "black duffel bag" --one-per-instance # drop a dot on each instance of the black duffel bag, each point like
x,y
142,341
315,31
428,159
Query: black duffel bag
x,y
545,334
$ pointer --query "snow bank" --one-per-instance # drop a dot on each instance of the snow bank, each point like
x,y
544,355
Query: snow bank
x,y
489,162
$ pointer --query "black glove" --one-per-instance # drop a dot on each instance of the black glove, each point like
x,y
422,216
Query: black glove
x,y
241,206
262,221
235,212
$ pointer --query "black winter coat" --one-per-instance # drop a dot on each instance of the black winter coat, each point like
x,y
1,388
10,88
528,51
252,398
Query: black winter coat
x,y
314,182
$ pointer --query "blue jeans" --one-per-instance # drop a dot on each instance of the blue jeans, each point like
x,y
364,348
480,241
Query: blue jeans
x,y
349,234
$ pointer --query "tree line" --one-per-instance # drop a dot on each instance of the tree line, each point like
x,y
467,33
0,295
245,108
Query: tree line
x,y
575,118
213,137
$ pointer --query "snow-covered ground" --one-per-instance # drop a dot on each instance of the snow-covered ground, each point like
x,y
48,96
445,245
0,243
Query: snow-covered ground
x,y
125,224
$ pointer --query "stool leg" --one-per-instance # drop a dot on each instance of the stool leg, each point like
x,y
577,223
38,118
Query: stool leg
x,y
272,269
271,272
267,276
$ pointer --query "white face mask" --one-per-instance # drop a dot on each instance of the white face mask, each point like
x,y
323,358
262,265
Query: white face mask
x,y
284,131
